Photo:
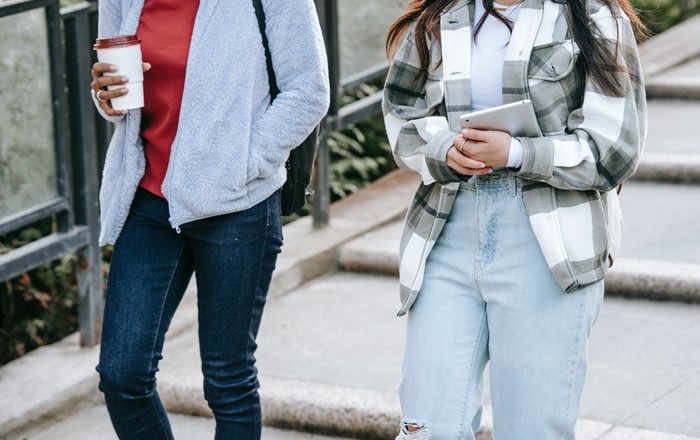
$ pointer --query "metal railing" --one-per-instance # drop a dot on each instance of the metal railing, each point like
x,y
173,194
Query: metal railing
x,y
338,117
75,145
81,137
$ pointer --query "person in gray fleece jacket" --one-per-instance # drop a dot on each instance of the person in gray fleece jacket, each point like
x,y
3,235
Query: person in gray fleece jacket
x,y
191,184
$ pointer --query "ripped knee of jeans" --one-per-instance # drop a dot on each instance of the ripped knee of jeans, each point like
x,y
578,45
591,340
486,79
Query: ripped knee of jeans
x,y
414,430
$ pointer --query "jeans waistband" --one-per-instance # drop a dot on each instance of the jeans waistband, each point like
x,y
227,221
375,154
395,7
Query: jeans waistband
x,y
498,178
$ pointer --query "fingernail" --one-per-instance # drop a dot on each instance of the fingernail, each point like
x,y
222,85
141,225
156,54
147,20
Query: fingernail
x,y
124,91
112,68
125,79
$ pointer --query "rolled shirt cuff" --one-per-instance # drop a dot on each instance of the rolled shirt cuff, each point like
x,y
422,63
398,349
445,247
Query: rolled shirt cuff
x,y
515,155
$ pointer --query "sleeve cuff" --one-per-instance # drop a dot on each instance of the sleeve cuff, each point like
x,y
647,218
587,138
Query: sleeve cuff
x,y
113,119
437,165
515,155
538,159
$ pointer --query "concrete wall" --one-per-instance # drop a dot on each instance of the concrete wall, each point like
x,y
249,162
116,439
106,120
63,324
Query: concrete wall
x,y
27,159
362,25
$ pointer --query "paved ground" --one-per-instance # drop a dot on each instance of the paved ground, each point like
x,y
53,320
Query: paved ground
x,y
644,361
342,329
661,221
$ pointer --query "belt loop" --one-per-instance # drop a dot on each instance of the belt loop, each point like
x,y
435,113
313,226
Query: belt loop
x,y
512,185
467,183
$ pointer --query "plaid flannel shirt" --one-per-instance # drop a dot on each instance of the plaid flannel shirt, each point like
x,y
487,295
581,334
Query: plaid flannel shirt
x,y
591,143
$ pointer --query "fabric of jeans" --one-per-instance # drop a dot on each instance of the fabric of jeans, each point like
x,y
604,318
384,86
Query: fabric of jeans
x,y
489,296
233,257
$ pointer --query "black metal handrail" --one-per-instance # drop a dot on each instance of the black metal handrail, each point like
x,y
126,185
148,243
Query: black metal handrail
x,y
338,118
69,34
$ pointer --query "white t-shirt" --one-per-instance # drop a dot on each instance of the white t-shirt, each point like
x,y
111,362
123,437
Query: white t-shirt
x,y
488,52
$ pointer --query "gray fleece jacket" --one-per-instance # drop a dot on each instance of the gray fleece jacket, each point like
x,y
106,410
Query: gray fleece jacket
x,y
231,144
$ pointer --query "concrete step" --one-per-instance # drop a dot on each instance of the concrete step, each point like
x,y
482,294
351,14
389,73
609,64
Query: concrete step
x,y
662,53
679,82
672,70
377,253
661,222
92,423
371,414
330,357
669,168
672,127
672,149
660,257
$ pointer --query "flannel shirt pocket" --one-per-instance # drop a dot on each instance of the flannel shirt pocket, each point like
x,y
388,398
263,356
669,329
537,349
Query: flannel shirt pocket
x,y
556,85
553,61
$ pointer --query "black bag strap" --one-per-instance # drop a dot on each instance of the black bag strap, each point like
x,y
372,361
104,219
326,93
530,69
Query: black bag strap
x,y
260,14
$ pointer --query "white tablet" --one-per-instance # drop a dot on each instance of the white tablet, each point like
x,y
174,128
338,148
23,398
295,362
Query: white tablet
x,y
517,118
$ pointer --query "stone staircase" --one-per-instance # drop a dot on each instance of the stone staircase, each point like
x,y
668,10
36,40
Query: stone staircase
x,y
672,73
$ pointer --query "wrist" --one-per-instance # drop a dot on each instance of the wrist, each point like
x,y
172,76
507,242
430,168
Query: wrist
x,y
515,154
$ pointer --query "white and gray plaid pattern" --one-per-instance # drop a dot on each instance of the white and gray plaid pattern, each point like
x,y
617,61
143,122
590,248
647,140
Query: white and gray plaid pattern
x,y
591,143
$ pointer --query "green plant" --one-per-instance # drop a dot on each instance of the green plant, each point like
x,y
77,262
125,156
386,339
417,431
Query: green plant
x,y
38,307
659,15
359,153
69,2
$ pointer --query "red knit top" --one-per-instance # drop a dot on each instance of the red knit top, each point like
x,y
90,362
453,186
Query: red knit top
x,y
165,30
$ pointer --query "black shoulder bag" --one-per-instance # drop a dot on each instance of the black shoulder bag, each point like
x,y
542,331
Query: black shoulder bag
x,y
301,159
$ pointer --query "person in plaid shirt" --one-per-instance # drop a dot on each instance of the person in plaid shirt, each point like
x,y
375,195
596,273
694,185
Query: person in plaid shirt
x,y
508,239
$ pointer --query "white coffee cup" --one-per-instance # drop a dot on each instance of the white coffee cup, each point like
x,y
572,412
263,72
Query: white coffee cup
x,y
124,52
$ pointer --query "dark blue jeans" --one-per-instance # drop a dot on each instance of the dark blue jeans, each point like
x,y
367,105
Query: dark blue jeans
x,y
233,256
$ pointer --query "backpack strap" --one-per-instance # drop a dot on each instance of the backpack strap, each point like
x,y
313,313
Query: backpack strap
x,y
260,14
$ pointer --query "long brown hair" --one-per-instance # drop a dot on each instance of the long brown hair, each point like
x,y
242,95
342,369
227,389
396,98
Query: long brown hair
x,y
595,54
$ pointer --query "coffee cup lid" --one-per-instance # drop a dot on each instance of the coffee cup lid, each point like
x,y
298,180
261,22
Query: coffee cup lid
x,y
118,41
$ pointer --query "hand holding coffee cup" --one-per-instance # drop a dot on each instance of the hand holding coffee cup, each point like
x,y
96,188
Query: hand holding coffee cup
x,y
100,83
117,78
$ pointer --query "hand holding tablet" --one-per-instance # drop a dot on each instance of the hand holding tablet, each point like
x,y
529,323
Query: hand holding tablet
x,y
516,119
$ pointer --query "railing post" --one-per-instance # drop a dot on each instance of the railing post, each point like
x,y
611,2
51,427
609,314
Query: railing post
x,y
65,220
322,193
328,16
103,128
78,37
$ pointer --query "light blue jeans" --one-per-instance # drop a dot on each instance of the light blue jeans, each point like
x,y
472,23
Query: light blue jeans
x,y
488,295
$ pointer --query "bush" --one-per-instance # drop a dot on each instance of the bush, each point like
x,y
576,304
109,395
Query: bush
x,y
360,153
40,306
659,15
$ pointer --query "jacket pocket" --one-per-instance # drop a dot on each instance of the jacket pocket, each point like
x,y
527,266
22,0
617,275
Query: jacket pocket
x,y
553,61
556,85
